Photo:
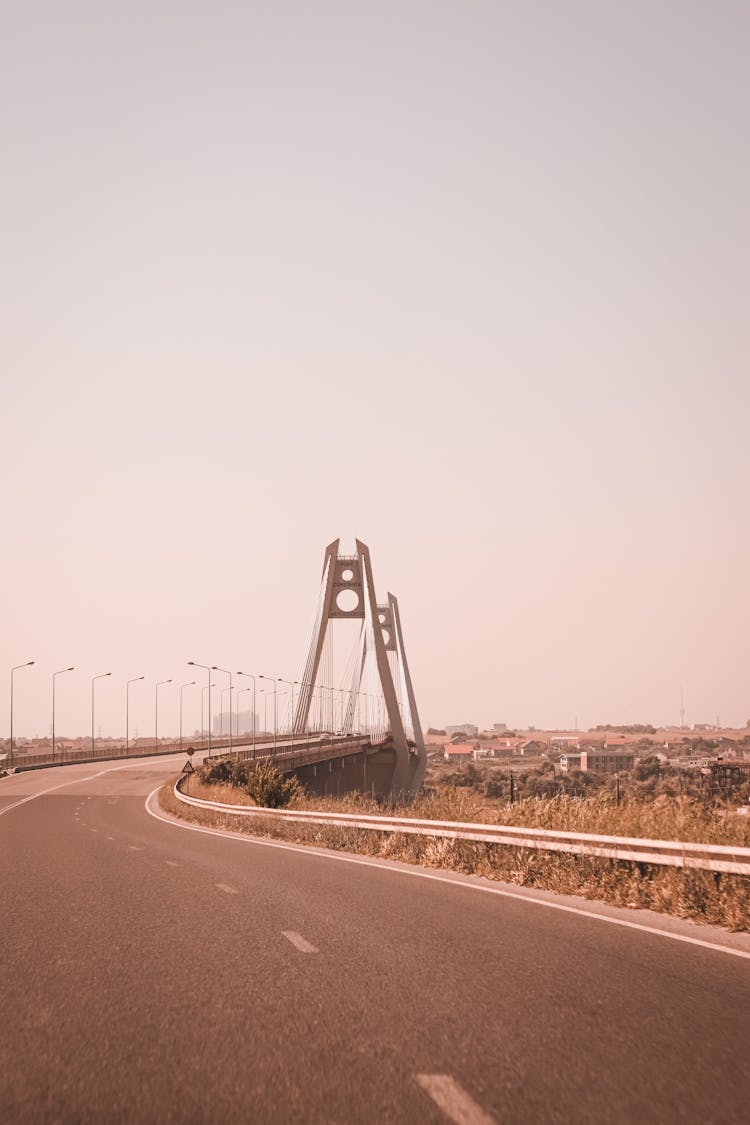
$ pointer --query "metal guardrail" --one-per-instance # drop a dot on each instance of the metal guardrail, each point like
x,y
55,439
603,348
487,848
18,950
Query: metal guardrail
x,y
285,757
668,853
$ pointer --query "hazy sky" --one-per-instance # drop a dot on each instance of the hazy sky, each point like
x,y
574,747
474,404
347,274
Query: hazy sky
x,y
467,280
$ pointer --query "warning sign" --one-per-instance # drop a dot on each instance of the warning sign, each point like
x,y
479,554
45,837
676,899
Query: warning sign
x,y
188,767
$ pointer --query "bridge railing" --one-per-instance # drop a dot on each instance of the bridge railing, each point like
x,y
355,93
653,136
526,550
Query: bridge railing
x,y
282,753
670,853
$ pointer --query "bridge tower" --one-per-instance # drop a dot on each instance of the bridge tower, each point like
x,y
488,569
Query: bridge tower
x,y
381,634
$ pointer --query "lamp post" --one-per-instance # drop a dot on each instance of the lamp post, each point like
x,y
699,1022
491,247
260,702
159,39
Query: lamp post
x,y
102,676
223,693
194,664
54,677
239,693
291,684
26,665
250,676
216,668
204,689
323,689
363,694
182,688
134,680
159,684
273,681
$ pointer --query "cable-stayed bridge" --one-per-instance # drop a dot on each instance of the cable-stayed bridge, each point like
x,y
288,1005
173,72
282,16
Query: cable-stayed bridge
x,y
360,725
347,721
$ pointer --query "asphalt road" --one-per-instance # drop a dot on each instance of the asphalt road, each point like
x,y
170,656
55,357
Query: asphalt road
x,y
155,974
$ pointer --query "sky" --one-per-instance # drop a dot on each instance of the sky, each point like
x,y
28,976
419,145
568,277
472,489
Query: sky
x,y
466,280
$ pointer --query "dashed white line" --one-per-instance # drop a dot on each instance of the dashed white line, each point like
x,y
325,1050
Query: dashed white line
x,y
134,848
64,785
453,1100
386,865
299,942
171,863
110,837
227,889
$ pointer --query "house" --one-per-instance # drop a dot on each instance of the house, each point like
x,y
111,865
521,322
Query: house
x,y
607,761
566,741
531,748
458,752
463,728
570,761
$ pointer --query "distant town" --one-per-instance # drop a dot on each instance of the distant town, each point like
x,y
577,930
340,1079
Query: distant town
x,y
606,749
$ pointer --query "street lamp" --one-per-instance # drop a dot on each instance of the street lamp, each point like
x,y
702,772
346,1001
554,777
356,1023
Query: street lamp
x,y
103,676
223,693
291,705
54,677
361,695
324,688
159,684
273,681
26,665
204,689
194,664
239,693
250,676
341,690
264,693
182,688
216,668
134,680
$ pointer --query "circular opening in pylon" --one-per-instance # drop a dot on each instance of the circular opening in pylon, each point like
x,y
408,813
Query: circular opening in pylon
x,y
386,638
347,575
381,618
347,601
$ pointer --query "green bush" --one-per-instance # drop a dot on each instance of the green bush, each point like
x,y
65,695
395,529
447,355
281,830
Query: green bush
x,y
261,780
269,787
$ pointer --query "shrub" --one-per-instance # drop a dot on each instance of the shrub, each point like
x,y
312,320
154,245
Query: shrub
x,y
269,787
261,780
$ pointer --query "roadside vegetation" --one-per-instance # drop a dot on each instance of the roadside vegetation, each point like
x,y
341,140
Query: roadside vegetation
x,y
644,809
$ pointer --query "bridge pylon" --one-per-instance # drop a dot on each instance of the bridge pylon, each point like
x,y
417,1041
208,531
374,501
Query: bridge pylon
x,y
381,634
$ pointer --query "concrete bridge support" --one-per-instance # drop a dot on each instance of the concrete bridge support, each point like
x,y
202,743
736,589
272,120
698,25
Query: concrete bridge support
x,y
358,772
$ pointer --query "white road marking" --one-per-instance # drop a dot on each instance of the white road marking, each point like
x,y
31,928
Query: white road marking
x,y
171,863
384,865
110,837
134,848
453,1100
93,829
227,889
298,941
63,785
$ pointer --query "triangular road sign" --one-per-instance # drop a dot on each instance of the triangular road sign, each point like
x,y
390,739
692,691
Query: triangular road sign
x,y
188,767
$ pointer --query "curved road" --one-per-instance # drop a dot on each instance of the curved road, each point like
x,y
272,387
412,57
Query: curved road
x,y
151,973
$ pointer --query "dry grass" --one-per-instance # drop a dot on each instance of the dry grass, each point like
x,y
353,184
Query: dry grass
x,y
722,900
660,818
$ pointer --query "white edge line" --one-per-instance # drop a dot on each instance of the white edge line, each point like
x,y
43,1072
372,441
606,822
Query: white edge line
x,y
384,865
